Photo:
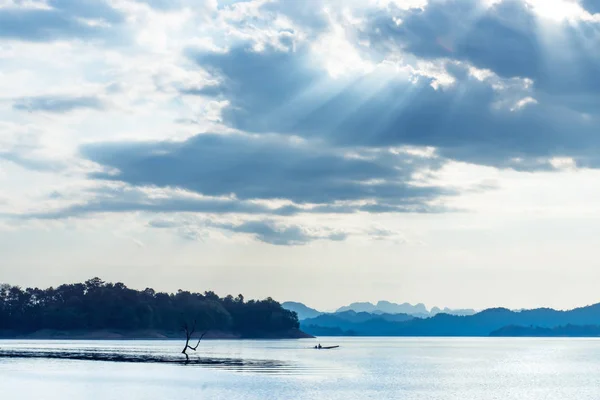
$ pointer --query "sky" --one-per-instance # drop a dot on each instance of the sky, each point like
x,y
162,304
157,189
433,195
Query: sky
x,y
444,152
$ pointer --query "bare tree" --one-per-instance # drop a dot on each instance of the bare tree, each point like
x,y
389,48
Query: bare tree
x,y
188,336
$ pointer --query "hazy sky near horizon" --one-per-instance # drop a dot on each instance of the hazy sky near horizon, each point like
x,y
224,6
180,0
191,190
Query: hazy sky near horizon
x,y
330,151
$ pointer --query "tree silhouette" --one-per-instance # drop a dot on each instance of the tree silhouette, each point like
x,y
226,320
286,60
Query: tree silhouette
x,y
99,305
188,335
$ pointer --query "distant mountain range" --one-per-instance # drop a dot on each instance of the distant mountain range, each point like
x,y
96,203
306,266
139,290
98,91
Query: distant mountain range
x,y
303,311
351,323
382,307
417,310
454,311
386,307
584,321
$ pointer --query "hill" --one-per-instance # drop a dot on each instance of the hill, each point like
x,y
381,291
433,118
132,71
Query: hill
x,y
417,310
354,324
480,324
461,311
385,307
99,308
301,310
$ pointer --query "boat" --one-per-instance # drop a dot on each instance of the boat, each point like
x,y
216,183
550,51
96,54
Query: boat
x,y
326,347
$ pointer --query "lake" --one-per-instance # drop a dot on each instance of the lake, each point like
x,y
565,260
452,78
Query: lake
x,y
362,368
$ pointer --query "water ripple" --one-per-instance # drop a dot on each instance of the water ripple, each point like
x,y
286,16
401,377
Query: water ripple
x,y
228,363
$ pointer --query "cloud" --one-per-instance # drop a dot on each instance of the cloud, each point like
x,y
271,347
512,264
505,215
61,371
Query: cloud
x,y
58,104
269,232
58,19
464,30
593,6
320,102
508,38
264,230
32,163
21,144
127,199
92,9
123,199
173,5
477,120
213,174
264,168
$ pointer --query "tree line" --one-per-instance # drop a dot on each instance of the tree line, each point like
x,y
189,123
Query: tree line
x,y
95,305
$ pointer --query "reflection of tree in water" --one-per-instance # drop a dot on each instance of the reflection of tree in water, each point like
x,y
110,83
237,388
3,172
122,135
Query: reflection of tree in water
x,y
228,363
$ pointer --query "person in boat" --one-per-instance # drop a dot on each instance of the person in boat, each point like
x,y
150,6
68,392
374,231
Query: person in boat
x,y
319,345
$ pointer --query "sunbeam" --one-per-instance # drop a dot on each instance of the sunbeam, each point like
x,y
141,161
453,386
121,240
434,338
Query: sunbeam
x,y
557,10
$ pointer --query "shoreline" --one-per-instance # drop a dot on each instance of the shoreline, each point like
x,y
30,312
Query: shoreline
x,y
106,334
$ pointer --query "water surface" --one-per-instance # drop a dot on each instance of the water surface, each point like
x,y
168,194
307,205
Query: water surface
x,y
362,368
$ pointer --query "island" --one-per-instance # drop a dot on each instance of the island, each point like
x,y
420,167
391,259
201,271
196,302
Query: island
x,y
96,309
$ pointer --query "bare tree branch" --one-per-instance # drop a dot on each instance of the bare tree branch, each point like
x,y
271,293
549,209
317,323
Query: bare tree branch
x,y
188,336
194,348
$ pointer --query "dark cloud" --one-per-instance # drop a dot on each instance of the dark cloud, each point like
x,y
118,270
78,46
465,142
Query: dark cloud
x,y
507,38
378,198
471,120
124,199
57,104
123,203
593,6
163,223
499,38
235,171
263,167
63,19
91,9
41,25
206,90
267,231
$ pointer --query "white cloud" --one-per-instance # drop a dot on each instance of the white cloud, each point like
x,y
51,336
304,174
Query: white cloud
x,y
558,10
523,102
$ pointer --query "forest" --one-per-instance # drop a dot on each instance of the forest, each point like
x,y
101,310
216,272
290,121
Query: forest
x,y
98,305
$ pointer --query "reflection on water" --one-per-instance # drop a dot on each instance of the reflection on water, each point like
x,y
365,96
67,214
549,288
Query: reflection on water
x,y
235,356
95,355
362,368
